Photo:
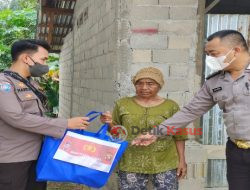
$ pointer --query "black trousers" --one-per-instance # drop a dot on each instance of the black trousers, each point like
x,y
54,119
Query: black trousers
x,y
20,176
238,167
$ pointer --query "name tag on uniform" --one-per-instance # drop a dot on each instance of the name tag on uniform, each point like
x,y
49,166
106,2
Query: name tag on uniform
x,y
217,89
23,89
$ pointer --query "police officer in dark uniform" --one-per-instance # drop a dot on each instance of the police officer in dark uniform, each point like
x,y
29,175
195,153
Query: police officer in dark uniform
x,y
230,89
22,120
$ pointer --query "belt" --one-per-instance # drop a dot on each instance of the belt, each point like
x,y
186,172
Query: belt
x,y
241,143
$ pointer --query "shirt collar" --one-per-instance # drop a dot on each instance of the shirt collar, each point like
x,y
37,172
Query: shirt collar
x,y
248,67
227,77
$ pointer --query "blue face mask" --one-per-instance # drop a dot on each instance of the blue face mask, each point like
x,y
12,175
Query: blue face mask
x,y
38,69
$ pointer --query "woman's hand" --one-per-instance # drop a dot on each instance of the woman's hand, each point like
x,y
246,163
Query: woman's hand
x,y
182,169
106,117
144,140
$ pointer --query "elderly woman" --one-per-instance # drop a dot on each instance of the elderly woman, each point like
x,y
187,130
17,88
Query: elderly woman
x,y
164,160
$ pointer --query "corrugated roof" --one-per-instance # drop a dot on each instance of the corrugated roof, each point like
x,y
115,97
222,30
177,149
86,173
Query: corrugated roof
x,y
228,6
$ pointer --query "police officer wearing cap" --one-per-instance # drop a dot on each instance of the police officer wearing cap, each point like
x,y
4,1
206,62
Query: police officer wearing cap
x,y
22,120
230,89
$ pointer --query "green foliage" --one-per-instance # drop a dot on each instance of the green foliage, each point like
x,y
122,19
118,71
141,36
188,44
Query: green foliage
x,y
4,4
19,24
50,85
18,4
23,4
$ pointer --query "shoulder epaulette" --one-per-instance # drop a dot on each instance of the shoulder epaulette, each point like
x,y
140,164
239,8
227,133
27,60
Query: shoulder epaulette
x,y
213,74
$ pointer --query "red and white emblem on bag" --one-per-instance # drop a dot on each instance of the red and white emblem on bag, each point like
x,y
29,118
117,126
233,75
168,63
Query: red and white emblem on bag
x,y
87,151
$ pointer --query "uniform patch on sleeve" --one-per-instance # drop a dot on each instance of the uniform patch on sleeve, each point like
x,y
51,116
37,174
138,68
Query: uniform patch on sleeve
x,y
5,87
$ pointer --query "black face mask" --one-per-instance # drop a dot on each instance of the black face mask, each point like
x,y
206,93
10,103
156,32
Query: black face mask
x,y
38,69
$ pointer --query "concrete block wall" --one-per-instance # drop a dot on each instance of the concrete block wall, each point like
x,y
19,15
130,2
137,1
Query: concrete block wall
x,y
94,39
163,34
66,85
112,40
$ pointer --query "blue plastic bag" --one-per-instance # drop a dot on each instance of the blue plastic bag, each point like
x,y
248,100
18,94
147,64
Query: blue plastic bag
x,y
49,169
